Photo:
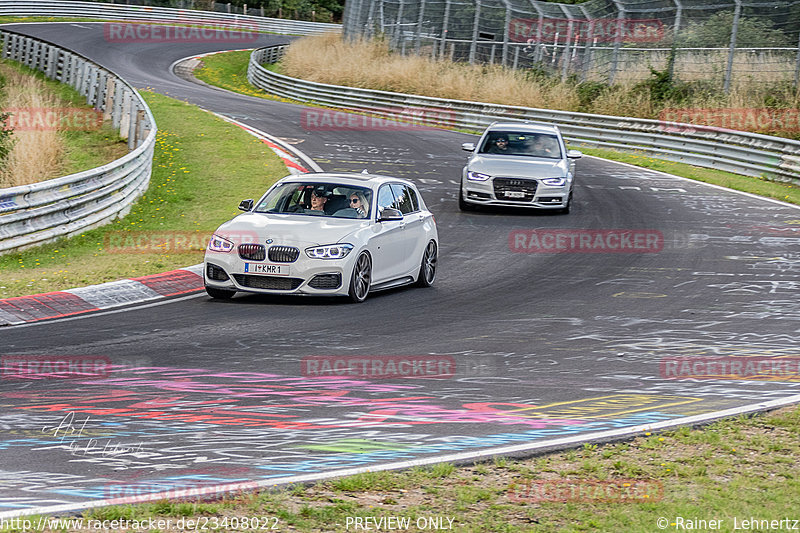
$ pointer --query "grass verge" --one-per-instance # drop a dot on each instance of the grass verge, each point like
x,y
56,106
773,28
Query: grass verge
x,y
228,70
720,472
192,190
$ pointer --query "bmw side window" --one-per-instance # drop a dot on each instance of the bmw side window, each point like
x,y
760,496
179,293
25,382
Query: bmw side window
x,y
403,203
412,195
385,199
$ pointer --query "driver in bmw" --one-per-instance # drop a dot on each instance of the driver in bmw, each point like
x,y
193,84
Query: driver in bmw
x,y
319,198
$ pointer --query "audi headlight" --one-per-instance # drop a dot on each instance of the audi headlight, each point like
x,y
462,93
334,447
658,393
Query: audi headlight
x,y
329,251
218,244
477,176
554,182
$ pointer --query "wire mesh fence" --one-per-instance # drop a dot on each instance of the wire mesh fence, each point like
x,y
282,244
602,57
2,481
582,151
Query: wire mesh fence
x,y
722,43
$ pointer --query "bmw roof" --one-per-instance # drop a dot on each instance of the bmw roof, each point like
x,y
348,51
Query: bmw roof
x,y
346,178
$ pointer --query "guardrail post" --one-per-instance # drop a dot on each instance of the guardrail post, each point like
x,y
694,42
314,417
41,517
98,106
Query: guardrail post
x,y
737,12
102,87
116,113
125,115
132,125
66,69
108,104
140,126
91,87
52,62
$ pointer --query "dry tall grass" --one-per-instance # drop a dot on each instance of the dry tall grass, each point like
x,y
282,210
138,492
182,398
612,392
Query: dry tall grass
x,y
36,154
371,64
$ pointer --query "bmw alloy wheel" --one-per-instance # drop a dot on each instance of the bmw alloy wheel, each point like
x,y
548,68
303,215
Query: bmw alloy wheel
x,y
361,278
427,270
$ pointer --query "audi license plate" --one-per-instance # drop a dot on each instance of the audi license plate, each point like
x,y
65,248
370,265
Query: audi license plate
x,y
273,270
515,194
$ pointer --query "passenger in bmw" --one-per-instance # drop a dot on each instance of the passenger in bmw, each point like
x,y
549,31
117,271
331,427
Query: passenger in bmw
x,y
358,206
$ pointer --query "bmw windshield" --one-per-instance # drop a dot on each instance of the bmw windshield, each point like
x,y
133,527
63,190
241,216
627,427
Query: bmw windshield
x,y
318,199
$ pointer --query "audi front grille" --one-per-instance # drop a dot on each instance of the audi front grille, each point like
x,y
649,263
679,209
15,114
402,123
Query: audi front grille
x,y
509,189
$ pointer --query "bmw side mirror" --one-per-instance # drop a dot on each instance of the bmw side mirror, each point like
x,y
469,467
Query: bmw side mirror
x,y
468,147
390,214
246,205
574,154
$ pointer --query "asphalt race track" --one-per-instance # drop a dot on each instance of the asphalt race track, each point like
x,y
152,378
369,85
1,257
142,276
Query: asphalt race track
x,y
528,347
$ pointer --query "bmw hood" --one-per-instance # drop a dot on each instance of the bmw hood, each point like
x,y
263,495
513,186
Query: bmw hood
x,y
518,166
290,230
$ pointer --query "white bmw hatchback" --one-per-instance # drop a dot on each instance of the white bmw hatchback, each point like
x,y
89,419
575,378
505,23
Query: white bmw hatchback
x,y
325,234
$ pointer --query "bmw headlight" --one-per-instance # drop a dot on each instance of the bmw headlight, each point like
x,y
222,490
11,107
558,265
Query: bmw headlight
x,y
329,251
477,176
554,182
218,244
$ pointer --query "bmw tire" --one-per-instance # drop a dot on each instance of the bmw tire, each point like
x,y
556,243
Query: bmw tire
x,y
361,279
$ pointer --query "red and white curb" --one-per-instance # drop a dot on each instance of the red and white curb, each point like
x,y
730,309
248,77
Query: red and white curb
x,y
60,304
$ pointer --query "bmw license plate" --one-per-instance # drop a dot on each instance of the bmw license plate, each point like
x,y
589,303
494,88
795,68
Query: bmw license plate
x,y
515,194
273,270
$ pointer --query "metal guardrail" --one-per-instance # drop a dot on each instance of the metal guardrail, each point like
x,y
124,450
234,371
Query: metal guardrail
x,y
41,212
56,8
751,154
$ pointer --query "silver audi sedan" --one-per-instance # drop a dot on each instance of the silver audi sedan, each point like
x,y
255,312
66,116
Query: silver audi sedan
x,y
519,164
